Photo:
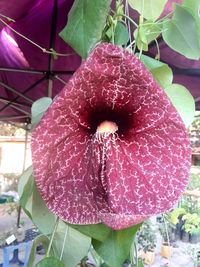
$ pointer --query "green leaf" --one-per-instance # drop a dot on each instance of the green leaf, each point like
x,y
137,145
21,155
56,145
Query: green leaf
x,y
140,263
38,109
193,6
50,262
182,101
41,239
116,248
42,217
161,72
180,33
146,33
24,179
86,21
96,231
121,35
76,245
140,39
152,8
25,189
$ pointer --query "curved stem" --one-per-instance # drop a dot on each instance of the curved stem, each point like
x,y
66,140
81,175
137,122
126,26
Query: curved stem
x,y
163,18
128,18
6,17
140,51
44,50
158,49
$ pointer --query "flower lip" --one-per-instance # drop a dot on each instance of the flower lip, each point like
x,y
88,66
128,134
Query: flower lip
x,y
120,117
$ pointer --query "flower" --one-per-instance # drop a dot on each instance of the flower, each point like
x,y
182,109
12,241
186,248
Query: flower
x,y
111,148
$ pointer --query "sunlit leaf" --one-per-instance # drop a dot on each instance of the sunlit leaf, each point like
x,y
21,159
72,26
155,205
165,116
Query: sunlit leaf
x,y
140,39
180,33
96,231
76,245
146,33
86,21
116,248
38,109
50,262
161,71
24,179
25,189
193,6
121,34
151,10
39,240
43,218
182,101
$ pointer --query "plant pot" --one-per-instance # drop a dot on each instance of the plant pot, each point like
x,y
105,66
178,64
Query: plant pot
x,y
185,237
148,257
194,238
166,251
177,234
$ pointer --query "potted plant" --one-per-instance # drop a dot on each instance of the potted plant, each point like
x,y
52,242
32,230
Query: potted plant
x,y
166,233
191,226
175,219
147,242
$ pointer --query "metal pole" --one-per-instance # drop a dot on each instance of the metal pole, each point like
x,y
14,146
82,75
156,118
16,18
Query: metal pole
x,y
24,92
7,69
52,45
44,72
15,107
13,117
16,92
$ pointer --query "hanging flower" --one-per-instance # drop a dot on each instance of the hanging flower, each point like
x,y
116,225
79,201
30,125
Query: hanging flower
x,y
111,148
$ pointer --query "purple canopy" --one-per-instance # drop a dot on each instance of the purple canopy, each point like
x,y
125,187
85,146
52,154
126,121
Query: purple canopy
x,y
29,72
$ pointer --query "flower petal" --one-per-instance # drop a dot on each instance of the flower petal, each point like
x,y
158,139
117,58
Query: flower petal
x,y
118,178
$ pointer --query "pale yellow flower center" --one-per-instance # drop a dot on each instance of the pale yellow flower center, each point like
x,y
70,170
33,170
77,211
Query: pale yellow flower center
x,y
107,127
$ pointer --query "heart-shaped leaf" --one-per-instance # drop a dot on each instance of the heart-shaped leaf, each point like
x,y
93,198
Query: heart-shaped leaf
x,y
121,34
76,245
25,189
96,231
180,33
38,109
43,218
182,101
116,248
39,240
160,71
149,9
146,33
86,21
193,6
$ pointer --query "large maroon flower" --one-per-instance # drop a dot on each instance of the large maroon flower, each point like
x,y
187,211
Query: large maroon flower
x,y
111,148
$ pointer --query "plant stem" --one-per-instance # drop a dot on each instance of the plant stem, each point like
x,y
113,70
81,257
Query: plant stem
x,y
167,234
158,49
140,51
44,50
127,17
52,237
64,241
6,17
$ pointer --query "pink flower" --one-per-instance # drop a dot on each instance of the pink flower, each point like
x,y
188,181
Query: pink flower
x,y
111,148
